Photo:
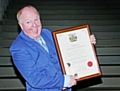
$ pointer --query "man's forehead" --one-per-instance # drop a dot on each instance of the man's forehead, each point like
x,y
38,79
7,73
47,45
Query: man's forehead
x,y
28,10
29,13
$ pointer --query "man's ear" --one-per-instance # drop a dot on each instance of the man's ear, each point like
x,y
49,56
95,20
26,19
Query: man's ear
x,y
20,24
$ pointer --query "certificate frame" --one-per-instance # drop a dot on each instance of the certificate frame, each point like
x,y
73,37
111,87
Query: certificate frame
x,y
65,54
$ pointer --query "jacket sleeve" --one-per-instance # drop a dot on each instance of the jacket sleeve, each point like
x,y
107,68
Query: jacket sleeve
x,y
28,69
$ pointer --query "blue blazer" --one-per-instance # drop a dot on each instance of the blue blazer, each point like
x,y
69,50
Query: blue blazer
x,y
40,69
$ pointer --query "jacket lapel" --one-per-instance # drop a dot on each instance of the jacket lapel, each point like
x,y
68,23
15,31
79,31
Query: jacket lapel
x,y
32,43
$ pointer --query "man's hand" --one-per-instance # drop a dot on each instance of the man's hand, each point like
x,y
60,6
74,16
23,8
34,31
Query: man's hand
x,y
93,39
72,81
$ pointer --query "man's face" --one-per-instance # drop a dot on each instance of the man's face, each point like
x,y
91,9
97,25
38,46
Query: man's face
x,y
30,23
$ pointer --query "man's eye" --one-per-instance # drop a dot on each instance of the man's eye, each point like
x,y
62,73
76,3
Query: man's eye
x,y
36,19
27,22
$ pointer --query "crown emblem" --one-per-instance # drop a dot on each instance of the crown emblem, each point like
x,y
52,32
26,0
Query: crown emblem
x,y
72,37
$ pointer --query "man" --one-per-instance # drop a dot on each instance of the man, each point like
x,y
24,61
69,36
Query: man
x,y
39,66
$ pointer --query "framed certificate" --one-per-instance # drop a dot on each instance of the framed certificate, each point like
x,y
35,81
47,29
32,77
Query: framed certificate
x,y
76,53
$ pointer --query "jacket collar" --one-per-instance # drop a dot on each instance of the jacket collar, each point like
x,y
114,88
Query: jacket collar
x,y
24,36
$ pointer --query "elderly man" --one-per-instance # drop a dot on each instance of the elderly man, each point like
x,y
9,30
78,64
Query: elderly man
x,y
38,65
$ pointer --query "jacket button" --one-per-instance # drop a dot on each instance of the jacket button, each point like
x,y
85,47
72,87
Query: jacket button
x,y
56,73
51,56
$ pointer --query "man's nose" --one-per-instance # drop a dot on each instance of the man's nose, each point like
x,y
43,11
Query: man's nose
x,y
33,24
